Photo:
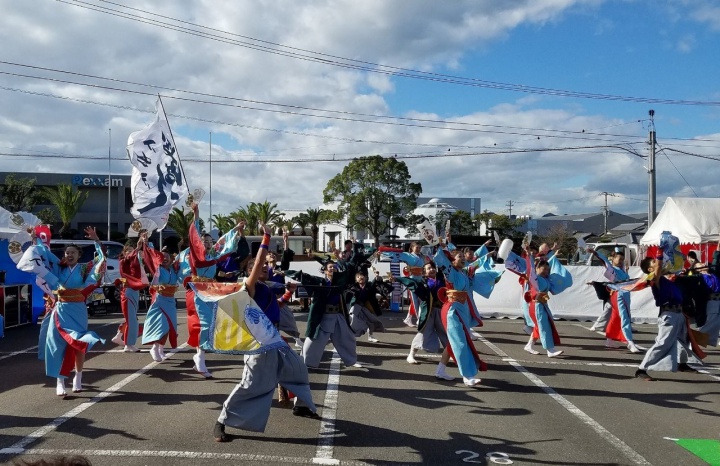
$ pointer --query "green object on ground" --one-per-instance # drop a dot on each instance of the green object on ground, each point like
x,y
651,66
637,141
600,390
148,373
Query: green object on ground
x,y
707,450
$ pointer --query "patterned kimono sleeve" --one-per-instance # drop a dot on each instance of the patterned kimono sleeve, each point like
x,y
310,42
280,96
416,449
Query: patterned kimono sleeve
x,y
228,244
97,267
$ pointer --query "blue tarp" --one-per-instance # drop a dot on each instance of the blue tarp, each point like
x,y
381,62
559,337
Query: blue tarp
x,y
13,276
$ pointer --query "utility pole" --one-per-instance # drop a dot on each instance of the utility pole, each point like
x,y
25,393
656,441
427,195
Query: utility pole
x,y
510,205
651,171
606,211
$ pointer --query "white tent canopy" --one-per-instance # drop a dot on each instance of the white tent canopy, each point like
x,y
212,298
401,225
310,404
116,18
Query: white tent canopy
x,y
693,220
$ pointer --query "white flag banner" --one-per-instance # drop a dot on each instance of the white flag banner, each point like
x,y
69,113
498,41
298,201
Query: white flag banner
x,y
158,182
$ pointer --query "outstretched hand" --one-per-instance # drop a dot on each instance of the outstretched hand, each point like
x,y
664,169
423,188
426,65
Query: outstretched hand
x,y
90,233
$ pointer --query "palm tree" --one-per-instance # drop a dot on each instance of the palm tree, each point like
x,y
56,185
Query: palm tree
x,y
224,223
67,201
302,221
267,212
180,222
315,217
248,214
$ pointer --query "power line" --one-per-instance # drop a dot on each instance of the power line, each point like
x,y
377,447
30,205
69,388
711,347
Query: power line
x,y
360,65
462,126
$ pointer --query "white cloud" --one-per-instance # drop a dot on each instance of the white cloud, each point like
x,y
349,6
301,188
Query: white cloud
x,y
427,36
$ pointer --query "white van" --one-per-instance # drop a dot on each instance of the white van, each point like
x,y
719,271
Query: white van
x,y
631,251
112,251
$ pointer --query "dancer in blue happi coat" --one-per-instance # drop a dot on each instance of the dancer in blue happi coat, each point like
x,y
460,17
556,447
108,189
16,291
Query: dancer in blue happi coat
x,y
544,277
64,335
161,320
414,261
458,313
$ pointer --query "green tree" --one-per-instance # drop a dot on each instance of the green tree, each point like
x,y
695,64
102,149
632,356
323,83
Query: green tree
x,y
314,218
267,212
461,222
224,223
68,202
180,222
250,215
19,194
503,224
372,193
301,220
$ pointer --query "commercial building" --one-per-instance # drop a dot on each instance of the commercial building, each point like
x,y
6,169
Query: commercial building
x,y
94,211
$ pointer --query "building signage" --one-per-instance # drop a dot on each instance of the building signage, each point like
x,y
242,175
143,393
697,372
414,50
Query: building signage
x,y
87,180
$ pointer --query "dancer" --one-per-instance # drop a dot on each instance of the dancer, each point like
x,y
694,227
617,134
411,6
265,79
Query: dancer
x,y
458,312
541,285
161,320
615,318
64,335
415,261
198,265
364,307
711,327
248,406
431,336
132,280
328,318
671,351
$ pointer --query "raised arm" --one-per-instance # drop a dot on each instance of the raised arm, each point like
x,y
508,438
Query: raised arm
x,y
259,261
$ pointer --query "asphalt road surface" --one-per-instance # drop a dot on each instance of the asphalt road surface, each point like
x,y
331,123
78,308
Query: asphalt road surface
x,y
584,408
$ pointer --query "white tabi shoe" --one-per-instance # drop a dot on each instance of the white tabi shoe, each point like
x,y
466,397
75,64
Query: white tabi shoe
x,y
298,343
155,353
130,349
408,321
200,367
612,344
161,350
357,364
474,336
471,382
372,339
529,349
441,374
411,359
635,348
118,339
77,382
554,354
60,387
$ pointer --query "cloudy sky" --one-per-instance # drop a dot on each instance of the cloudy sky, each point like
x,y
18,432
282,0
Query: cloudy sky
x,y
542,102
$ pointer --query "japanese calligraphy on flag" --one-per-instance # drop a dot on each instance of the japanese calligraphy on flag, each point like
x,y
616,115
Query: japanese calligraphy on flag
x,y
157,182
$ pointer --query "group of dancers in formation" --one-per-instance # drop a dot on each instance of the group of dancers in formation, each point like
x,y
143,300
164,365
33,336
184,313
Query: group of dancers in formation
x,y
343,307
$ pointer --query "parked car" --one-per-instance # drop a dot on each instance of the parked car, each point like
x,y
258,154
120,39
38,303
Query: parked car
x,y
631,251
112,252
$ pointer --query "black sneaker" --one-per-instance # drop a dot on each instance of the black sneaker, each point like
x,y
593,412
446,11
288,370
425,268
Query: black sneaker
x,y
641,374
303,411
219,432
683,367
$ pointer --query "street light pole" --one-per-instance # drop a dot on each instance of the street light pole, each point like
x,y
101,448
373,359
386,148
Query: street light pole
x,y
652,193
109,182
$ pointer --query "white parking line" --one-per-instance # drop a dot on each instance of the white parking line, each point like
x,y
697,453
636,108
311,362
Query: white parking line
x,y
26,350
21,445
326,436
624,448
701,369
31,348
199,455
